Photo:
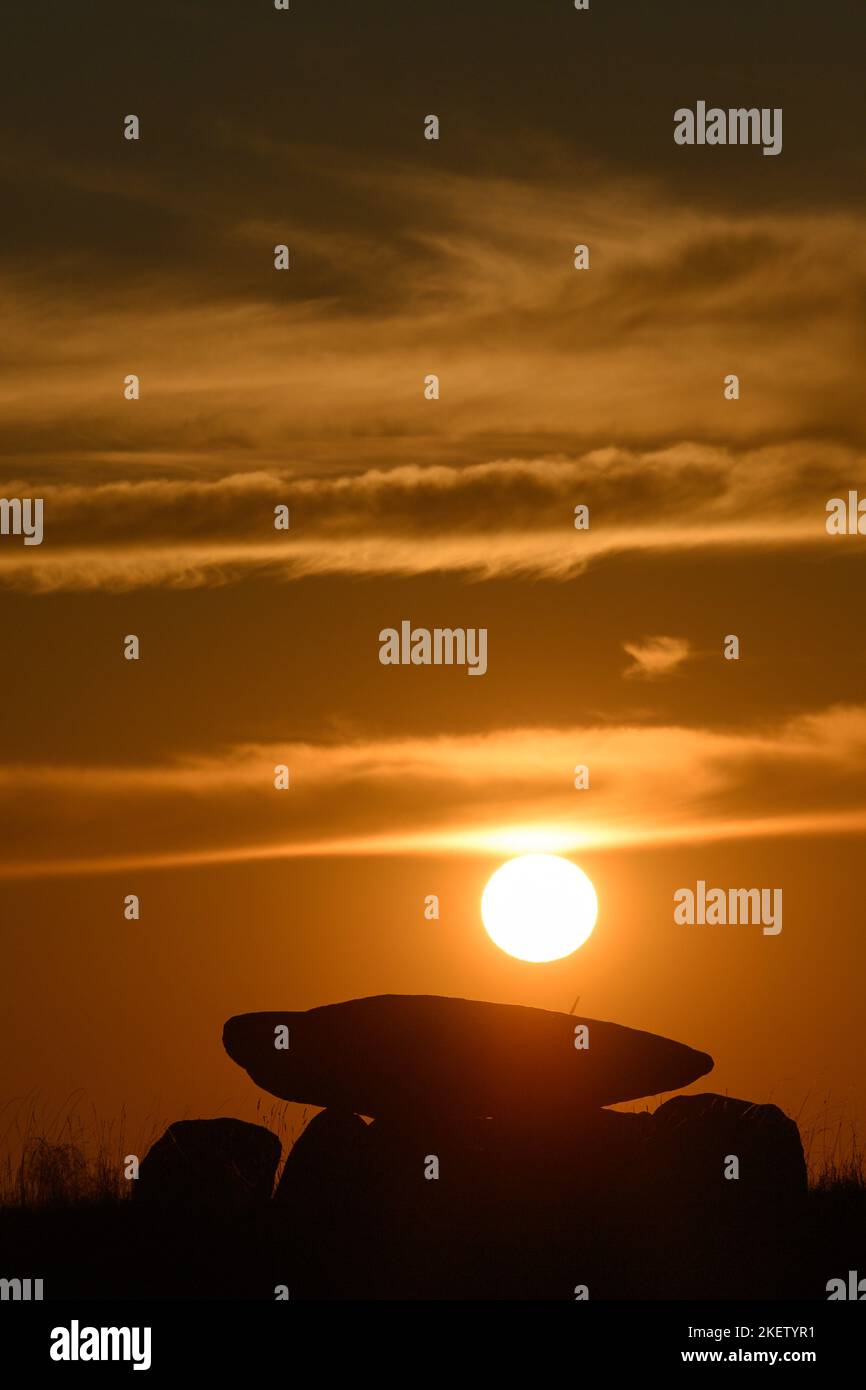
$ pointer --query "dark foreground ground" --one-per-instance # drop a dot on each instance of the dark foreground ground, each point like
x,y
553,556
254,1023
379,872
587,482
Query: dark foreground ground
x,y
119,1249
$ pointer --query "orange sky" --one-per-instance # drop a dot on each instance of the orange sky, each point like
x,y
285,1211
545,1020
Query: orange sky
x,y
558,387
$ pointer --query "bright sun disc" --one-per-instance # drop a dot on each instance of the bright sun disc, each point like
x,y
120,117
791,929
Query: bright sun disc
x,y
539,907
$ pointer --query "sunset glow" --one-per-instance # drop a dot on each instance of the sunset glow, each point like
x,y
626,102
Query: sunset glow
x,y
297,387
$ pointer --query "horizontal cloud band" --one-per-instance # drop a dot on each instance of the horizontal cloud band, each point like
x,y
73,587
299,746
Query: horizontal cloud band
x,y
503,792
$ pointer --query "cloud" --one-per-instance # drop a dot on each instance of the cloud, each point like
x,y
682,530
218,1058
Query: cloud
x,y
558,386
470,277
499,792
656,656
503,517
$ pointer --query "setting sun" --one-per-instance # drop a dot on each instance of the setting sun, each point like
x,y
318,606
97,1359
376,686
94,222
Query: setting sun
x,y
539,907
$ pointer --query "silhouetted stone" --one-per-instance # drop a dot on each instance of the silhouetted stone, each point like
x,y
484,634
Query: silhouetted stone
x,y
696,1134
510,1214
324,1205
631,1205
223,1164
536,1187
330,1152
423,1055
722,1236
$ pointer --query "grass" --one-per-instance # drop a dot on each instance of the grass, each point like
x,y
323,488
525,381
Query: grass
x,y
834,1153
73,1157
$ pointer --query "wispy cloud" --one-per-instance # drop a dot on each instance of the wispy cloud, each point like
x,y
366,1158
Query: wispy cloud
x,y
471,278
655,656
558,386
502,792
506,516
